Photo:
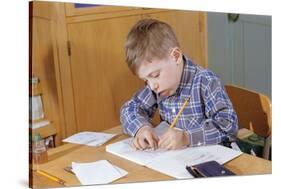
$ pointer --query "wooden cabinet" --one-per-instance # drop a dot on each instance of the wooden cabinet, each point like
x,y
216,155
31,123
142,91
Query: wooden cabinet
x,y
42,65
93,79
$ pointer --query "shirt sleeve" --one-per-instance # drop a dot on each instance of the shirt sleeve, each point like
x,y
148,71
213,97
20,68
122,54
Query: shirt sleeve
x,y
221,122
138,111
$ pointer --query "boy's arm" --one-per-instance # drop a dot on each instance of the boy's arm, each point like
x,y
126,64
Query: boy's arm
x,y
221,120
138,111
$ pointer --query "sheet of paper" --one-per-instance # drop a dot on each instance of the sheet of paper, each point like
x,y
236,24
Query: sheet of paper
x,y
99,172
89,138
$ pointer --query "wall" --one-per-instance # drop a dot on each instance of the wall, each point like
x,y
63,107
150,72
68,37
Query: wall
x,y
240,52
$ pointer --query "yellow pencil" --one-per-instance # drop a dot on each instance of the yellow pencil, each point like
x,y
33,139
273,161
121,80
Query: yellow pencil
x,y
179,113
54,178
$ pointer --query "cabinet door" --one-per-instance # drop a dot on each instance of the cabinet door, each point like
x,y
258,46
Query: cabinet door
x,y
102,82
190,29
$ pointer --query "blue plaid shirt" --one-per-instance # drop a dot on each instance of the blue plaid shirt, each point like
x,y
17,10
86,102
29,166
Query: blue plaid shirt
x,y
209,117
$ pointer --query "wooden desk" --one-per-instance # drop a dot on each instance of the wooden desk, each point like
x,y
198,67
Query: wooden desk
x,y
64,155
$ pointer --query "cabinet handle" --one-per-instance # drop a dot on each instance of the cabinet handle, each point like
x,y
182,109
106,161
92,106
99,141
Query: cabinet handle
x,y
233,17
68,48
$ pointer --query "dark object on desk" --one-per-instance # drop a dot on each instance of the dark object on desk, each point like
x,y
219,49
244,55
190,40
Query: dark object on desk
x,y
253,144
208,169
69,169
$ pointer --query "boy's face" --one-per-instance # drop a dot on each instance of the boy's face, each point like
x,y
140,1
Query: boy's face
x,y
163,75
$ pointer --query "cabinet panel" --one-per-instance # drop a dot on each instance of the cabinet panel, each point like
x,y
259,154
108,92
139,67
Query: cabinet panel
x,y
102,82
43,67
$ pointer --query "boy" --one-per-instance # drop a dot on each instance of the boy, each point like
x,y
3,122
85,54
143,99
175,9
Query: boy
x,y
154,55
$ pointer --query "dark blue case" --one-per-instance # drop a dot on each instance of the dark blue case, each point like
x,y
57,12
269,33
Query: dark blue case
x,y
209,169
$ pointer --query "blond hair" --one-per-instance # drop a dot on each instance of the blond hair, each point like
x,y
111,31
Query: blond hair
x,y
148,39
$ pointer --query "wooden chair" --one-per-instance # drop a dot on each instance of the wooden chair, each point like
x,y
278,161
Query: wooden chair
x,y
254,113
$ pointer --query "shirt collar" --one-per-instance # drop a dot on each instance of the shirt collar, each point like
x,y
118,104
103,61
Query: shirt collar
x,y
189,70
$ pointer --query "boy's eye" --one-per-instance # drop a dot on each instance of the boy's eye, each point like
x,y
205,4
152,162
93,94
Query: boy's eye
x,y
155,75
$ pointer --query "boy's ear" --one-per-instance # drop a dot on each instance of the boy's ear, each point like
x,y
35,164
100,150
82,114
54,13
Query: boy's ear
x,y
176,54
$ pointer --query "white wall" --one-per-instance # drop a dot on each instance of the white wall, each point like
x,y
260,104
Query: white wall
x,y
240,52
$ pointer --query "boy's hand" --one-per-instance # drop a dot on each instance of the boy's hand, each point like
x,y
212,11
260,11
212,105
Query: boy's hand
x,y
145,138
173,139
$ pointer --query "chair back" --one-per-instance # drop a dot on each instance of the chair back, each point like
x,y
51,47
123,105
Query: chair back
x,y
253,109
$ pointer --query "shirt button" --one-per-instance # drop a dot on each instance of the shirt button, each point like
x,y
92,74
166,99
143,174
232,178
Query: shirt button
x,y
174,110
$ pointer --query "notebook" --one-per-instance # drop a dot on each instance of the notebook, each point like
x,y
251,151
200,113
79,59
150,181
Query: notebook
x,y
171,162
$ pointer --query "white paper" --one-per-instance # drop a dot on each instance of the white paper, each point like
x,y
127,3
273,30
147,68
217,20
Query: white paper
x,y
99,172
89,138
172,162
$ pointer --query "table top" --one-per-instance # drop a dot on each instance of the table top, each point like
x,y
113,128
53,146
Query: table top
x,y
63,156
